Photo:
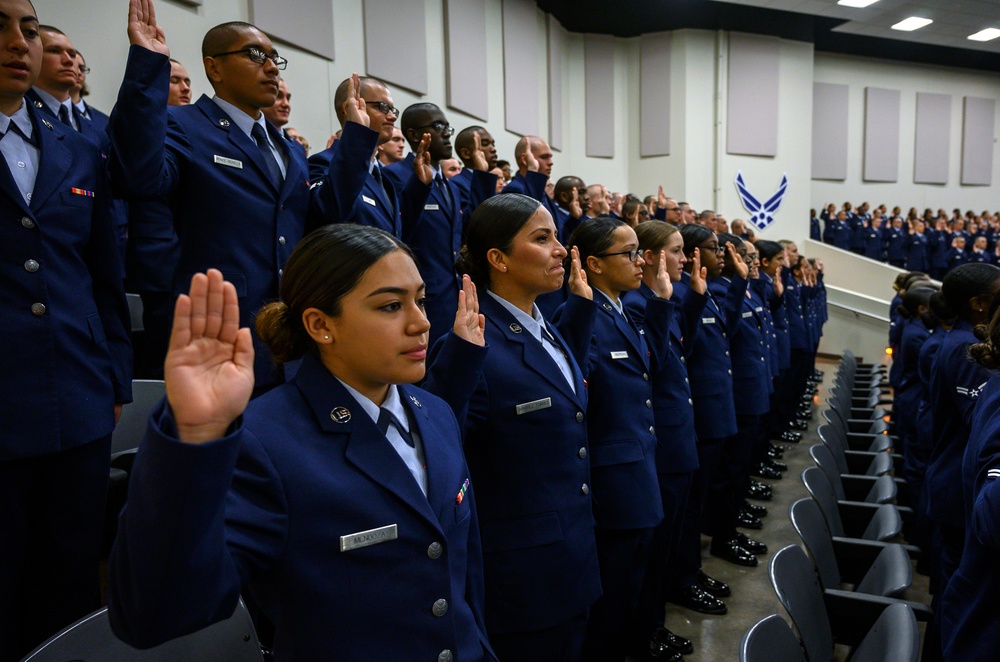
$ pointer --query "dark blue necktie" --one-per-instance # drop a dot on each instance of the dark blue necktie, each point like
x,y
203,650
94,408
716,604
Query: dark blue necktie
x,y
442,186
386,418
273,171
64,117
386,196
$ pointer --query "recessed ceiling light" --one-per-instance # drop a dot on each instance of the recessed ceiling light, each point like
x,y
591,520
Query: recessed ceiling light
x,y
912,23
856,3
985,35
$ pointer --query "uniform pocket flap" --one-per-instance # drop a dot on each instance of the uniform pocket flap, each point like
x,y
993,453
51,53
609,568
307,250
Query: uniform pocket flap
x,y
616,452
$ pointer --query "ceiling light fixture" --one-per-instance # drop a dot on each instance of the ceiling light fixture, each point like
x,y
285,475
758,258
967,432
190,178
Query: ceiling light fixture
x,y
856,3
912,23
985,35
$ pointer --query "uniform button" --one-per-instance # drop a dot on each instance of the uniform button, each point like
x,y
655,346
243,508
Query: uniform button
x,y
434,550
440,607
579,417
38,308
20,164
727,352
723,334
652,430
582,453
645,376
682,360
281,240
729,371
281,272
31,266
690,401
686,381
27,222
649,403
445,656
281,207
762,358
585,489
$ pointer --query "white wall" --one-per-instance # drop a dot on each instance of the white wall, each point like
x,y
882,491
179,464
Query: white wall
x,y
859,73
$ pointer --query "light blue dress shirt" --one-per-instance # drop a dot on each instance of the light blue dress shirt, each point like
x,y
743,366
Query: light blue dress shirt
x,y
21,156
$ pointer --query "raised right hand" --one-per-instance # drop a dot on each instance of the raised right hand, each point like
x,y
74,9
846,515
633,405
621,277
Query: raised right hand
x,y
209,365
354,106
530,162
142,28
699,274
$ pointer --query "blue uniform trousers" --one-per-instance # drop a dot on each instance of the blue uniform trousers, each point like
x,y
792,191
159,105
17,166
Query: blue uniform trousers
x,y
689,546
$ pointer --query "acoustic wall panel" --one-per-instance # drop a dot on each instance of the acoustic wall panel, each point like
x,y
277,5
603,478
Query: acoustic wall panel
x,y
654,94
556,46
599,79
465,56
881,135
829,131
978,117
752,104
397,62
932,139
303,23
520,66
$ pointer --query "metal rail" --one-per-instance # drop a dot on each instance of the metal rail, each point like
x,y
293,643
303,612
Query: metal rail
x,y
858,312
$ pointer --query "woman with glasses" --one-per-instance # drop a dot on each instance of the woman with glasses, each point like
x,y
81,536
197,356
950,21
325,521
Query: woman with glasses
x,y
673,413
711,373
620,424
525,425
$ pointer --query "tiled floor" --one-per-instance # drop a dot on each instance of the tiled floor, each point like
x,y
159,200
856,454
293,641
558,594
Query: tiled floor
x,y
718,637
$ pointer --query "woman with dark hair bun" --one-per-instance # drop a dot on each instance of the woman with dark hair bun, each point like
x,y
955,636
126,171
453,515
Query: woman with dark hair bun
x,y
525,424
955,385
332,497
620,424
970,610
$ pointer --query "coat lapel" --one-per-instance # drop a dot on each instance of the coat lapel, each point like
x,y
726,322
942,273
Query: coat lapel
x,y
338,413
54,160
237,138
626,330
533,355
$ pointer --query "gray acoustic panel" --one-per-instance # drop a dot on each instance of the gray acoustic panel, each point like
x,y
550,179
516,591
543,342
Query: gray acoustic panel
x,y
881,135
978,118
932,138
599,80
829,131
752,97
521,54
401,62
556,47
654,94
465,56
302,23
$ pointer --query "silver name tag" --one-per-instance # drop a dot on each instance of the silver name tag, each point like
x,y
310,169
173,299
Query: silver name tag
x,y
708,320
368,200
232,163
747,314
758,309
431,207
368,538
619,355
527,407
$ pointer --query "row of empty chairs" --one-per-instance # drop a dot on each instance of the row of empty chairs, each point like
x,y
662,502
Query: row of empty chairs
x,y
849,588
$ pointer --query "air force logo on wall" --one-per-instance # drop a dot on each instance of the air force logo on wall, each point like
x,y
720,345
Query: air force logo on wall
x,y
761,215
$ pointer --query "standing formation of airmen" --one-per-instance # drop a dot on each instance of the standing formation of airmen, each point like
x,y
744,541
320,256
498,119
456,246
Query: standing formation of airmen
x,y
597,392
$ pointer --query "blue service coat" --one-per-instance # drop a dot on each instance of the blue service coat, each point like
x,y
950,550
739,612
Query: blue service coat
x,y
798,336
759,293
709,365
938,242
65,322
917,253
531,469
620,421
277,499
673,404
955,386
436,239
970,610
895,244
751,379
227,213
345,191
873,244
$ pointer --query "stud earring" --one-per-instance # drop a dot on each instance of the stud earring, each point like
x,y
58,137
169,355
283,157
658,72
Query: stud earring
x,y
326,337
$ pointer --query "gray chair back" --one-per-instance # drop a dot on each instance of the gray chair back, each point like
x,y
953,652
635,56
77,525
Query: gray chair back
x,y
135,312
811,527
821,490
131,428
799,592
91,638
770,640
824,459
893,638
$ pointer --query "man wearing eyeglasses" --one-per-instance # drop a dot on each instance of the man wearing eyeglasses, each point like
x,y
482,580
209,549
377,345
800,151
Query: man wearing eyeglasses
x,y
239,193
437,237
349,182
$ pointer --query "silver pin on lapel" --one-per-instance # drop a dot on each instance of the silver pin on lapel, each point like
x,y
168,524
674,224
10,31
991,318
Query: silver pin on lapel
x,y
223,122
340,415
416,402
46,124
39,104
515,327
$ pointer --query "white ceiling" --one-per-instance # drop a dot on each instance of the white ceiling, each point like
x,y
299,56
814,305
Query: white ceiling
x,y
954,20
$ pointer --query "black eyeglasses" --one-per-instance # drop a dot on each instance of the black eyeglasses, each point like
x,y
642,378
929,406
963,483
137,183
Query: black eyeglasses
x,y
442,128
383,107
84,69
258,56
715,249
643,213
633,255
